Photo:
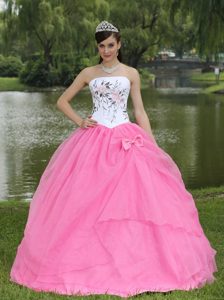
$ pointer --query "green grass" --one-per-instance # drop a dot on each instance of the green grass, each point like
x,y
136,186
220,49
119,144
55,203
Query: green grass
x,y
209,76
11,84
210,205
214,88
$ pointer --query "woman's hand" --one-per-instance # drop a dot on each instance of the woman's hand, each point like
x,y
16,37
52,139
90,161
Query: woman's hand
x,y
88,122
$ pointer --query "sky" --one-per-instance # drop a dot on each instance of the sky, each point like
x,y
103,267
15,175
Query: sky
x,y
1,4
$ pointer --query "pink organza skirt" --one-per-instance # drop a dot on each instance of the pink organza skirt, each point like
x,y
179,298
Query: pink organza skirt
x,y
111,215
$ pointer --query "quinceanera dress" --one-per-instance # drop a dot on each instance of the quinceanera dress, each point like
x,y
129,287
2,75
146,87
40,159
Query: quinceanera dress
x,y
111,214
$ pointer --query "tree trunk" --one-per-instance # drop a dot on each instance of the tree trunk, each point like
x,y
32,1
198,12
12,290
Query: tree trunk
x,y
134,58
47,55
179,52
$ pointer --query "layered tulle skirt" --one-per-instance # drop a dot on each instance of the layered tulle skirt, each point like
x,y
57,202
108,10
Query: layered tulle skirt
x,y
111,214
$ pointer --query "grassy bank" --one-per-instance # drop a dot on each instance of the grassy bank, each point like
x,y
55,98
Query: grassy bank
x,y
210,204
216,88
210,77
11,84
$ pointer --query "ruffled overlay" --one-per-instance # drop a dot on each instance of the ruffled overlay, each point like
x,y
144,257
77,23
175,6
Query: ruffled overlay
x,y
111,214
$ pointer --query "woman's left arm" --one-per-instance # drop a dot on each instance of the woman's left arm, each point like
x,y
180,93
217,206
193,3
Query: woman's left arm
x,y
139,110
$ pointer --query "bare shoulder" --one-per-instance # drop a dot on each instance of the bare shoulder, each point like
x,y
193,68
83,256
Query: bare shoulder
x,y
133,73
88,73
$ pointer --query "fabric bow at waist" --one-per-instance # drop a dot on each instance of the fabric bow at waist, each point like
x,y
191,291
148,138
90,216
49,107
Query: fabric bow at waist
x,y
137,140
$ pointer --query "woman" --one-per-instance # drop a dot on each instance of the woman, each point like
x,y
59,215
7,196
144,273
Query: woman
x,y
111,213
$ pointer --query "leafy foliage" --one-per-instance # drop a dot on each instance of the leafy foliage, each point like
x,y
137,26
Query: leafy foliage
x,y
61,32
10,66
142,26
35,73
208,20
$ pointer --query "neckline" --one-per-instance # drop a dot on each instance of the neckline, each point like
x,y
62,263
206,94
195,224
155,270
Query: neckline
x,y
110,77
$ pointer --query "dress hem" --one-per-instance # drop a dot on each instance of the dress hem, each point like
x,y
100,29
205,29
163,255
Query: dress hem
x,y
81,290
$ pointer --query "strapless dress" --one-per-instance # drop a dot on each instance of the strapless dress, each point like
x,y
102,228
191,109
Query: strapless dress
x,y
111,214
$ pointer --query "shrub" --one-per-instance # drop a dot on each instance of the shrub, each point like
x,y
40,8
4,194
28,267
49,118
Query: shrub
x,y
10,66
35,73
66,74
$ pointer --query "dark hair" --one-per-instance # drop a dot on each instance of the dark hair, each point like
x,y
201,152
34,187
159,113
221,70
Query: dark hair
x,y
103,35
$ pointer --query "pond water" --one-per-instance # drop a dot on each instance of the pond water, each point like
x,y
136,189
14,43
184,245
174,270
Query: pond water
x,y
188,125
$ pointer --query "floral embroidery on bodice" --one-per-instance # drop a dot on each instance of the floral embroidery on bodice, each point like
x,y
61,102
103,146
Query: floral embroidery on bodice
x,y
110,96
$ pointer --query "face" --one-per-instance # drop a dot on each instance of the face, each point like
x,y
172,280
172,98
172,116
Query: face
x,y
108,49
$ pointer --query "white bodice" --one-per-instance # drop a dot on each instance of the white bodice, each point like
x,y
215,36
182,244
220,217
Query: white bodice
x,y
110,96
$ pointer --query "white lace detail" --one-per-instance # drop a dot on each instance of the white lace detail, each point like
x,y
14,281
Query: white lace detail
x,y
110,96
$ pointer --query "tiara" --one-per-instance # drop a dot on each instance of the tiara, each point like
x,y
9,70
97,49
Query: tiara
x,y
105,26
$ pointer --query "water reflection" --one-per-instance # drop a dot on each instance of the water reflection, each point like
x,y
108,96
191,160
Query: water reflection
x,y
171,82
177,81
188,127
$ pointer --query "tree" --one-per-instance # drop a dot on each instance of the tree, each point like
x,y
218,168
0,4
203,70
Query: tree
x,y
208,19
142,26
180,34
42,20
9,30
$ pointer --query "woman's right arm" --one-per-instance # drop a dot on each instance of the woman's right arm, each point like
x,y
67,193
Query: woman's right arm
x,y
63,101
